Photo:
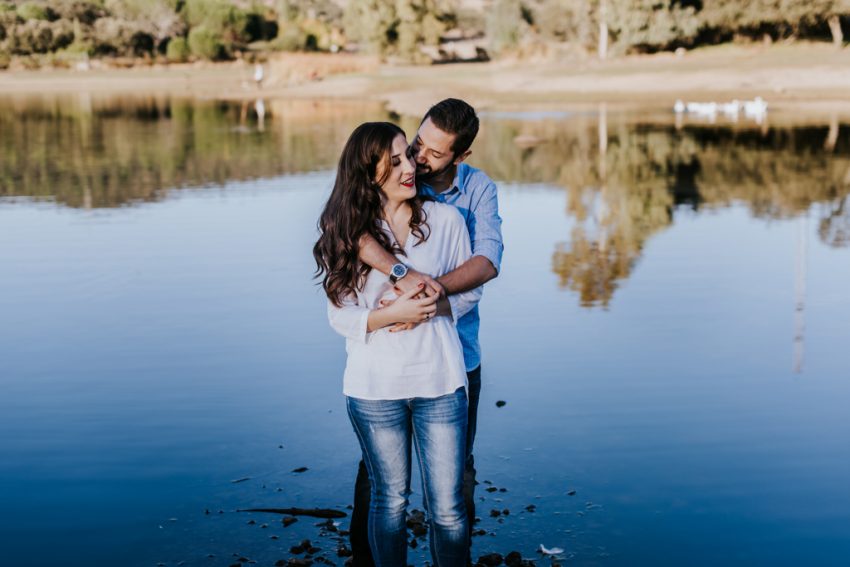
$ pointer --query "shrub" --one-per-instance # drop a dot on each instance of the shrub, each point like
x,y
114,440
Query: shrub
x,y
292,38
33,11
33,36
121,37
226,19
63,34
84,12
157,18
80,47
177,50
207,44
140,43
5,60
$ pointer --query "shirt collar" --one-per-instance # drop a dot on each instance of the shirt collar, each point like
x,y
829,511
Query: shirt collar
x,y
457,184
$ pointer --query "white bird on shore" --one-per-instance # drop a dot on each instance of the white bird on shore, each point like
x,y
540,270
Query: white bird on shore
x,y
731,108
702,108
755,107
259,74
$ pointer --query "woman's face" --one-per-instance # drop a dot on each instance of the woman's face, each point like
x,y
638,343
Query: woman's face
x,y
400,172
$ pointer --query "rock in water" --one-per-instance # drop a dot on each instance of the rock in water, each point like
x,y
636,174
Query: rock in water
x,y
491,559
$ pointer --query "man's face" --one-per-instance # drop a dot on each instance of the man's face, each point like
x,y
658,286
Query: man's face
x,y
432,151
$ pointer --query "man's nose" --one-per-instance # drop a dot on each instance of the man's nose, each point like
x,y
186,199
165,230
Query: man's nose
x,y
419,156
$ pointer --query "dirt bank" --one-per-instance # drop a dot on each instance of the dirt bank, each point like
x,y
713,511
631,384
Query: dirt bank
x,y
814,77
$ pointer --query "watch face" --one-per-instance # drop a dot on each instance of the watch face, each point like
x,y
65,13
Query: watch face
x,y
399,270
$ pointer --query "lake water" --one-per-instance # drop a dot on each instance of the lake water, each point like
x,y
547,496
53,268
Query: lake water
x,y
669,331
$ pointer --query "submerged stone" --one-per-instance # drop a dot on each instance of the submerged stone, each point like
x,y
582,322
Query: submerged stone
x,y
491,559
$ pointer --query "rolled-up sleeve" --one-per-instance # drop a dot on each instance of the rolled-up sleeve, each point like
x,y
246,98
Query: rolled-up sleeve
x,y
486,228
461,303
349,320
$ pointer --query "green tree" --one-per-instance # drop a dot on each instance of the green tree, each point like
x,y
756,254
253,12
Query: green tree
x,y
207,44
35,11
308,25
397,27
650,24
777,17
505,25
177,50
372,23
158,18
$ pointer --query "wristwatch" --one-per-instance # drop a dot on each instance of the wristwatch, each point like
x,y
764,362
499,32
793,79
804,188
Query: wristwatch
x,y
397,272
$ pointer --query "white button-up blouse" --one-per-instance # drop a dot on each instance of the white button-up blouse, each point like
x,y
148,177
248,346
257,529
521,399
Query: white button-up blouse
x,y
426,361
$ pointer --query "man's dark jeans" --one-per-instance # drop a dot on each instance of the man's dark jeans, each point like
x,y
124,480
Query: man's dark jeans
x,y
362,489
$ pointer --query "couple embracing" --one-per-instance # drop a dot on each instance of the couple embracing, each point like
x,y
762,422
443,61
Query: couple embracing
x,y
409,235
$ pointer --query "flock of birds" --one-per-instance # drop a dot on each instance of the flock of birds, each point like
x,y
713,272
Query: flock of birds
x,y
755,109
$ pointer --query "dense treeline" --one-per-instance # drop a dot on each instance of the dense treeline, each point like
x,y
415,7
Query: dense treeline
x,y
174,29
650,25
177,30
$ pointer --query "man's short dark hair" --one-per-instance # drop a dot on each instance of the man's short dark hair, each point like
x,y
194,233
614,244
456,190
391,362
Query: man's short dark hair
x,y
456,117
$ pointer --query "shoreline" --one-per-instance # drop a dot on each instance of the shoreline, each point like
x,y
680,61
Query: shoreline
x,y
801,77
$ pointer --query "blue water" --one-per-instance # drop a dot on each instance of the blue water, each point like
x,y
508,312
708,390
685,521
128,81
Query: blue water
x,y
152,354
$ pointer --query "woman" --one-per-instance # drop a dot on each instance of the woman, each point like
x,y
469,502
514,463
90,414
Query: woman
x,y
403,389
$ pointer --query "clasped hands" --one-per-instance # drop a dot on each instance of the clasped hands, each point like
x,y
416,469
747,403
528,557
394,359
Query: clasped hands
x,y
416,301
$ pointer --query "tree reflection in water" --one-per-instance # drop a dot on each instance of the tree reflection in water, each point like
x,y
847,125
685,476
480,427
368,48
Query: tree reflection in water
x,y
91,153
625,174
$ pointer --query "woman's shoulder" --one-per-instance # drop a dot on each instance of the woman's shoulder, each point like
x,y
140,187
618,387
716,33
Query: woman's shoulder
x,y
442,213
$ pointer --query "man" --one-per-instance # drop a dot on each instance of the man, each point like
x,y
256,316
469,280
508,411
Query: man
x,y
440,148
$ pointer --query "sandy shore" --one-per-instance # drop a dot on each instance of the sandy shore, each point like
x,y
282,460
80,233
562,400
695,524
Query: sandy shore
x,y
810,77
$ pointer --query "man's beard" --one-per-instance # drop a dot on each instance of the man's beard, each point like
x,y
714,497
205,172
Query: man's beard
x,y
430,174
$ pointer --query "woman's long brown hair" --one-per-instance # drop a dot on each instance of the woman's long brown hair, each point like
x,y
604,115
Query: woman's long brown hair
x,y
355,208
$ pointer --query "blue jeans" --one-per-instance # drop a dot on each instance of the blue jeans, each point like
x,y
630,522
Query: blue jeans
x,y
359,535
437,429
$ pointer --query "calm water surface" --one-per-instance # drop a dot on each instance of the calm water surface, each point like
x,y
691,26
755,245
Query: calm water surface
x,y
670,333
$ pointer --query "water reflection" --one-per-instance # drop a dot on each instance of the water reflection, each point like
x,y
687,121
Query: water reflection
x,y
155,354
626,175
626,179
90,153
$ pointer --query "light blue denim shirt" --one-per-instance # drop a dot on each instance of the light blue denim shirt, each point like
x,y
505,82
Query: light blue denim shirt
x,y
474,195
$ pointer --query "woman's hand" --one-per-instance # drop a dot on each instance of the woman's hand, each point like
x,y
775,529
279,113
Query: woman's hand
x,y
412,307
405,309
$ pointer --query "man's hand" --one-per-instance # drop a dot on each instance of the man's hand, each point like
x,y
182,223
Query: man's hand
x,y
414,278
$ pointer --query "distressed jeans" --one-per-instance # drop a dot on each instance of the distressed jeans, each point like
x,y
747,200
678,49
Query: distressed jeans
x,y
359,536
435,430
